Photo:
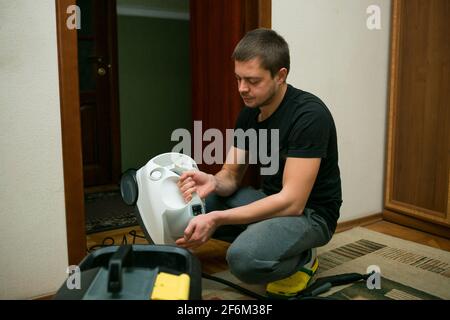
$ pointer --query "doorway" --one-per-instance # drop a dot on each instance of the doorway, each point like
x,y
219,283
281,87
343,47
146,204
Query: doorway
x,y
207,21
150,87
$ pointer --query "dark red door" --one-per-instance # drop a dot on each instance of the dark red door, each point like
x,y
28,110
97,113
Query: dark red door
x,y
216,28
97,64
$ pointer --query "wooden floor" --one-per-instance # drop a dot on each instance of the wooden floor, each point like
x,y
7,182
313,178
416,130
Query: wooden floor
x,y
212,254
413,235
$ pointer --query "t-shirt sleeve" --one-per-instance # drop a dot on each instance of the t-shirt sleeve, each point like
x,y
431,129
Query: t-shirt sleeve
x,y
310,133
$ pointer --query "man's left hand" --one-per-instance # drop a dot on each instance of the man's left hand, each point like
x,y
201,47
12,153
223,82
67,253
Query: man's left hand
x,y
198,231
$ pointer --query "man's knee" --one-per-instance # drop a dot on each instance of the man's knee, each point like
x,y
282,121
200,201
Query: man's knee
x,y
246,268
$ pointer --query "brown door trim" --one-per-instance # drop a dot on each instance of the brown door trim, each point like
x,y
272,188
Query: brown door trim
x,y
416,223
71,134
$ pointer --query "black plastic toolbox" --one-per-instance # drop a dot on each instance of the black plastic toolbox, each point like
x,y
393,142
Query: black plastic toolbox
x,y
130,271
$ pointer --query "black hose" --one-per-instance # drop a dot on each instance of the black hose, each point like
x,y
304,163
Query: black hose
x,y
320,286
235,286
324,284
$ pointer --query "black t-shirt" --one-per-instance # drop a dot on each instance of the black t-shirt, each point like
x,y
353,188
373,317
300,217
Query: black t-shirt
x,y
306,130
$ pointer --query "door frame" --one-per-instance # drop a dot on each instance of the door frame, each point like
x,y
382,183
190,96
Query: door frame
x,y
71,134
257,12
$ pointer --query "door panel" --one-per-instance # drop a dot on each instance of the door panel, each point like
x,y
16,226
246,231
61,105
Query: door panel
x,y
421,169
418,164
98,92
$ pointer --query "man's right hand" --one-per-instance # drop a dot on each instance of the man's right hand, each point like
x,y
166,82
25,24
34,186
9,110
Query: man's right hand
x,y
196,181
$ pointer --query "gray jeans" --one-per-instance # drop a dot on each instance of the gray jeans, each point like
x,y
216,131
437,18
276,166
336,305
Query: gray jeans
x,y
271,249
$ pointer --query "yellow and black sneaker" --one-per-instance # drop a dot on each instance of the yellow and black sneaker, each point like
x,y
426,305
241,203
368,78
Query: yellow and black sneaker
x,y
299,281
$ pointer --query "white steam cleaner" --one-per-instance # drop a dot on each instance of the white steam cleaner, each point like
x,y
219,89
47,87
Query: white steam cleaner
x,y
161,209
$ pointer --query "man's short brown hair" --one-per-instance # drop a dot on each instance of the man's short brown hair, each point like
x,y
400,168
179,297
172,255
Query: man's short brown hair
x,y
268,46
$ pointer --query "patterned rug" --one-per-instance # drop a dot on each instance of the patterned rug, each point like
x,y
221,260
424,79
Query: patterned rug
x,y
409,271
107,211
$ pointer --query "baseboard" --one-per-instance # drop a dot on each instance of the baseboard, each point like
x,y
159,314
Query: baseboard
x,y
343,226
417,224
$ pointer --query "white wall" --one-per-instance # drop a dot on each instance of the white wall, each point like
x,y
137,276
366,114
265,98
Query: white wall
x,y
33,249
336,57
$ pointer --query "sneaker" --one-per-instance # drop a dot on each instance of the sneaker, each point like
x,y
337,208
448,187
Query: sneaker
x,y
299,281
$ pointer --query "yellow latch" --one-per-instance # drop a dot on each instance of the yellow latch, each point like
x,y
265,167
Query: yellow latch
x,y
171,287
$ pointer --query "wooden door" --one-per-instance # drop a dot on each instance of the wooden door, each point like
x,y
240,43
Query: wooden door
x,y
97,65
418,162
216,28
